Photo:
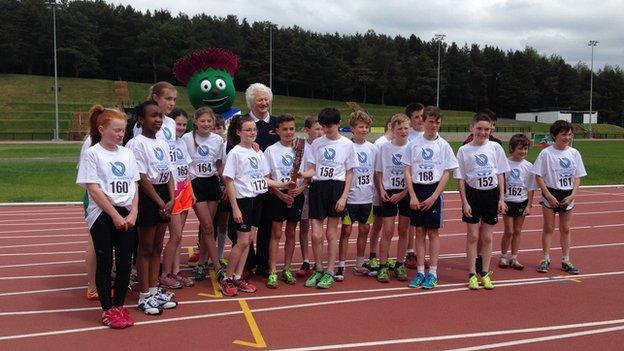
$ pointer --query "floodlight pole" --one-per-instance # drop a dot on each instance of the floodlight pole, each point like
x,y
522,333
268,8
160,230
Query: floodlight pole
x,y
591,43
439,38
52,3
271,63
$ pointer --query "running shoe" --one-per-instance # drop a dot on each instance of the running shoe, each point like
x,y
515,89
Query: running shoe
x,y
360,270
125,314
272,281
384,275
473,282
288,277
170,282
113,318
313,279
165,299
391,263
227,287
304,270
503,262
372,266
569,267
326,281
339,274
544,266
184,280
223,262
193,260
247,274
410,261
92,295
515,264
487,281
400,272
200,273
430,281
244,286
149,305
417,281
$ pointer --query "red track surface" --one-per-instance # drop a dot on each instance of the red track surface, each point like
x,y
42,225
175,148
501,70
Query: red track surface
x,y
43,305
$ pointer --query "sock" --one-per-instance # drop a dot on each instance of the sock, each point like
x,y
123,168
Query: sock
x,y
421,269
221,243
359,261
153,290
329,272
410,251
372,255
306,261
547,257
144,295
505,255
236,277
565,258
341,263
433,270
514,257
319,269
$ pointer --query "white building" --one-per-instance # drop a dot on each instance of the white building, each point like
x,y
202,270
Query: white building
x,y
551,116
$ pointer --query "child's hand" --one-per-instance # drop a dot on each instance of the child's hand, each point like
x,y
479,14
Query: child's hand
x,y
566,201
552,201
527,210
396,198
340,205
256,147
425,205
130,220
467,210
119,222
286,198
502,207
294,192
384,196
237,216
414,204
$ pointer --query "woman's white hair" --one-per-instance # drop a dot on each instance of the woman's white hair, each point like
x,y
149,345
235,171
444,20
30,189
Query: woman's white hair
x,y
254,89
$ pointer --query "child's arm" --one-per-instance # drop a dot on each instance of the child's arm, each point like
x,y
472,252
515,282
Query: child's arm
x,y
527,209
502,206
131,217
237,216
466,209
104,203
379,184
398,196
567,200
294,192
342,201
425,205
166,211
552,201
285,198
414,204
310,172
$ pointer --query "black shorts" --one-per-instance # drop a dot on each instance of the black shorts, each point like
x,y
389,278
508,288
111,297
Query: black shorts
x,y
279,212
516,209
224,206
432,218
323,197
484,205
250,207
559,195
149,212
377,210
361,213
389,209
207,189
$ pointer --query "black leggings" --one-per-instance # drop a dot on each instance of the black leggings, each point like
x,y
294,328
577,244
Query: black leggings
x,y
106,237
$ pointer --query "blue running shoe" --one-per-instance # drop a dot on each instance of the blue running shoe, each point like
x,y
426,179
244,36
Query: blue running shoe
x,y
417,281
430,281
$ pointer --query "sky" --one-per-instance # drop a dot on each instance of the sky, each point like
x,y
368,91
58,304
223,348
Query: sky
x,y
552,27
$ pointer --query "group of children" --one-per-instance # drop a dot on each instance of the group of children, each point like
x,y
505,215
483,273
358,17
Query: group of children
x,y
163,171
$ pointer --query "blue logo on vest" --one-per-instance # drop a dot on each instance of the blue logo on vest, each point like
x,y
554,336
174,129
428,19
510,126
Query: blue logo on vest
x,y
515,173
481,160
396,159
253,162
329,153
362,157
179,154
202,150
159,153
287,160
427,153
118,168
565,162
167,133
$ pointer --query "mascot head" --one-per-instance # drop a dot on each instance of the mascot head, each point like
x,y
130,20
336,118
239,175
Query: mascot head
x,y
208,76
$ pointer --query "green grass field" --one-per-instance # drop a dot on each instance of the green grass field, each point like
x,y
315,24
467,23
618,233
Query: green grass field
x,y
27,106
47,172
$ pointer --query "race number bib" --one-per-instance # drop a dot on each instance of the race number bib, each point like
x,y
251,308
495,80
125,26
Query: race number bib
x,y
485,182
119,187
259,184
203,168
397,182
364,179
163,178
327,172
424,176
183,171
514,191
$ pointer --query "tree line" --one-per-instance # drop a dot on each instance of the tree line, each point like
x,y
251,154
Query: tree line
x,y
100,40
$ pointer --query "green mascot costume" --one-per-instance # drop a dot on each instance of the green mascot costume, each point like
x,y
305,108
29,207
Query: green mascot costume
x,y
209,79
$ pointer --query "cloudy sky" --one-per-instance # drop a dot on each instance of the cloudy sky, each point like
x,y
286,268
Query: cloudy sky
x,y
552,27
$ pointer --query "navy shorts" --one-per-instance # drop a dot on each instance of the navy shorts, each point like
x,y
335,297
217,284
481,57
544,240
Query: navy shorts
x,y
389,209
279,212
484,205
207,189
323,197
432,218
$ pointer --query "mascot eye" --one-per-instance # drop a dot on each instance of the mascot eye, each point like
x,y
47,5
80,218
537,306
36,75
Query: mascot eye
x,y
205,85
220,83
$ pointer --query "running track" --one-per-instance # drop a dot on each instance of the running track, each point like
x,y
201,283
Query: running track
x,y
43,282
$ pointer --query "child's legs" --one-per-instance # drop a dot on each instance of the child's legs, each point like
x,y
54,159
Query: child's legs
x,y
332,245
304,230
547,231
154,265
317,242
363,230
565,220
374,235
176,257
238,250
434,245
518,222
222,229
289,244
472,238
102,232
386,239
205,212
420,245
276,235
91,263
485,237
240,267
171,248
124,246
144,255
404,230
411,234
508,231
343,245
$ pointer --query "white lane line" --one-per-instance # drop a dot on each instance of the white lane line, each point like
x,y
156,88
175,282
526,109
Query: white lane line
x,y
23,277
19,293
40,264
295,306
43,244
42,253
